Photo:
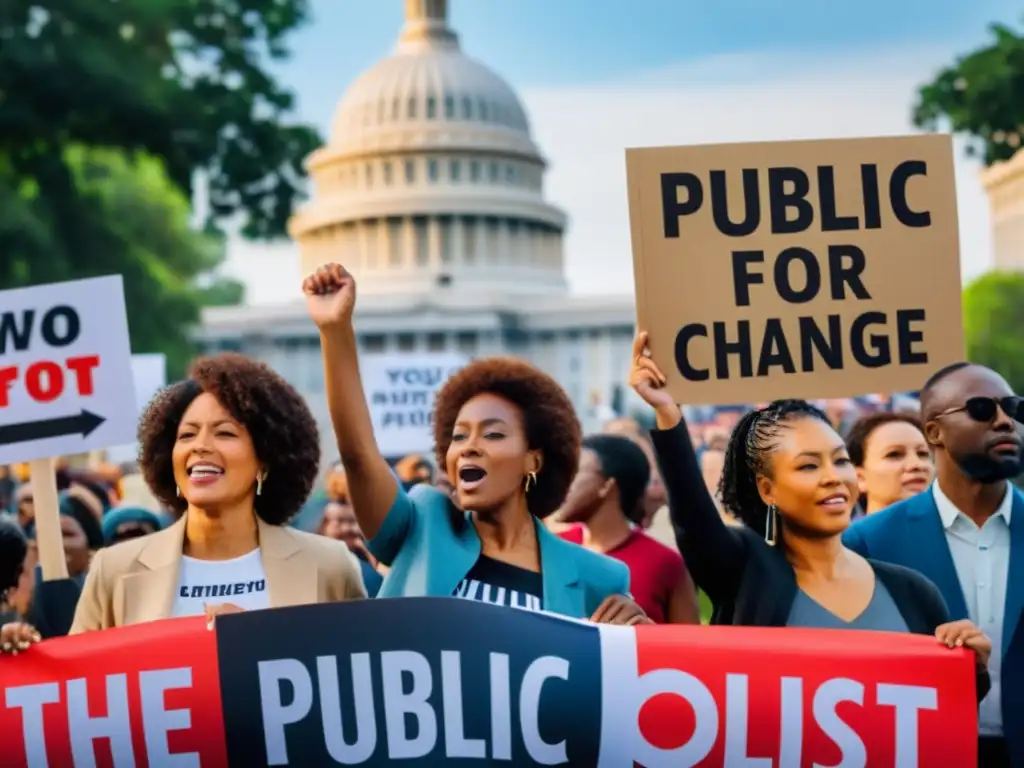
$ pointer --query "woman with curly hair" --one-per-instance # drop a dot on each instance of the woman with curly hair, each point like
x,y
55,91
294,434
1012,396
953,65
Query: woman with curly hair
x,y
508,438
789,479
892,459
235,451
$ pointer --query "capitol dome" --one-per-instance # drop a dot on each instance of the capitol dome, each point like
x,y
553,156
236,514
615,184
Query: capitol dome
x,y
430,177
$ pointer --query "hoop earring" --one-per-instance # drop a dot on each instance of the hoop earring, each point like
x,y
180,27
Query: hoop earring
x,y
771,526
259,484
531,480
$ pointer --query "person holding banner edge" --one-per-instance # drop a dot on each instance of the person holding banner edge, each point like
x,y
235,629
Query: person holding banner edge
x,y
235,450
789,479
507,436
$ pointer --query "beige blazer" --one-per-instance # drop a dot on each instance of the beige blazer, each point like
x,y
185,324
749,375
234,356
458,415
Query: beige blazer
x,y
135,581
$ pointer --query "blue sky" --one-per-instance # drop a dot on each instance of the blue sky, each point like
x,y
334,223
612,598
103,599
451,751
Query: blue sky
x,y
674,72
576,42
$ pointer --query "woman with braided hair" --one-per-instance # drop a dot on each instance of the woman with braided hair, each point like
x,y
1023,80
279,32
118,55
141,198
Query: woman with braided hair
x,y
789,479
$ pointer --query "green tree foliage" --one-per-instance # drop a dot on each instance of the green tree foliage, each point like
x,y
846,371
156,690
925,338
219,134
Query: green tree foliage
x,y
981,95
110,110
993,323
167,264
183,80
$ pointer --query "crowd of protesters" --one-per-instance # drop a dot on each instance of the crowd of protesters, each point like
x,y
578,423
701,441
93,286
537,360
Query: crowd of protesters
x,y
791,514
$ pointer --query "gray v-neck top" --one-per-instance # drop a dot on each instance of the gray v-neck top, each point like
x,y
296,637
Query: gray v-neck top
x,y
881,614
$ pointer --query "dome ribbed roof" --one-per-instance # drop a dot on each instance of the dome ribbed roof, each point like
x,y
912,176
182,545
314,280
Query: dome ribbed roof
x,y
428,83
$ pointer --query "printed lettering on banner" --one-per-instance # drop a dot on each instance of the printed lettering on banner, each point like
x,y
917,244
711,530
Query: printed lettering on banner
x,y
400,389
444,681
482,683
472,683
759,698
65,369
794,269
141,695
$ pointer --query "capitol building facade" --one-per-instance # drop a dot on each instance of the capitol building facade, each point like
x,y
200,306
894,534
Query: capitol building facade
x,y
430,190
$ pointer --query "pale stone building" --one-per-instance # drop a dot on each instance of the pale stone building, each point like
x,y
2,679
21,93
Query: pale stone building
x,y
1004,183
431,191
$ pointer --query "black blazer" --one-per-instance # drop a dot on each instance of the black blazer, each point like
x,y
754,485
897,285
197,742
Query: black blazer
x,y
750,583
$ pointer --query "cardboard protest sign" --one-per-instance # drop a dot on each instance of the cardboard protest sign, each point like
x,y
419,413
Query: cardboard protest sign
x,y
400,389
149,375
797,269
482,685
65,369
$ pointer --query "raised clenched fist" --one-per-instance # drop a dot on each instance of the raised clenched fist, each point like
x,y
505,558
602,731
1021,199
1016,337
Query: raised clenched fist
x,y
330,296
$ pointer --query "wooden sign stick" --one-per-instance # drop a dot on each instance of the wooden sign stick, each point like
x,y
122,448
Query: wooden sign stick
x,y
49,539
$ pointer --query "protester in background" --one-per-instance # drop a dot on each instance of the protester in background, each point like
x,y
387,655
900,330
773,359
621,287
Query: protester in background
x,y
8,485
15,634
605,497
789,479
653,505
13,551
507,435
339,522
235,449
413,470
892,459
336,485
92,492
21,599
967,533
24,508
80,529
126,523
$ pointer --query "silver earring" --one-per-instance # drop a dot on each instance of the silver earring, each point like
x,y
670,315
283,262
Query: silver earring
x,y
259,484
771,525
177,491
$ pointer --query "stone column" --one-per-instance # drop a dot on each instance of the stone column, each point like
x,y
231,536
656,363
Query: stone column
x,y
434,243
458,243
380,262
410,241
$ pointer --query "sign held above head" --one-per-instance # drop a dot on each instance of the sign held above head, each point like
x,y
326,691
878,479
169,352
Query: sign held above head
x,y
65,369
797,269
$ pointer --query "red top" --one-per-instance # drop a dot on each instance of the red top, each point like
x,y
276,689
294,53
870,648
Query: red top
x,y
654,569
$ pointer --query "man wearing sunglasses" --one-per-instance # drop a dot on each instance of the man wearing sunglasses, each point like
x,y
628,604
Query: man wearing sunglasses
x,y
966,534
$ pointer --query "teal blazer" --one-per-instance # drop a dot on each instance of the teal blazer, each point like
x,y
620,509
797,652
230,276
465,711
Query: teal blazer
x,y
428,557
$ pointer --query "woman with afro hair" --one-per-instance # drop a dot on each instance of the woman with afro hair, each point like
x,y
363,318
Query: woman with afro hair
x,y
234,451
507,437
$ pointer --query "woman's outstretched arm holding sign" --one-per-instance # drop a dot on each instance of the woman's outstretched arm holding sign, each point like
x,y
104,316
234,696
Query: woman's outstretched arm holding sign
x,y
373,488
714,553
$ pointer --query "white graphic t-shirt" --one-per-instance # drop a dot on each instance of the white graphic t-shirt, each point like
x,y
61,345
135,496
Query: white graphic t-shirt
x,y
241,581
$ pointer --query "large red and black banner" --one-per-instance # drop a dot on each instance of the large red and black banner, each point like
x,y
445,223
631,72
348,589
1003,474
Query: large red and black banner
x,y
444,681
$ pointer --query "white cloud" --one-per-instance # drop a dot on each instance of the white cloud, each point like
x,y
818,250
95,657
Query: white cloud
x,y
583,130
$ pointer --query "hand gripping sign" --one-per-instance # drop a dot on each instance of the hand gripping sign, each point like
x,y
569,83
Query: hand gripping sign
x,y
484,685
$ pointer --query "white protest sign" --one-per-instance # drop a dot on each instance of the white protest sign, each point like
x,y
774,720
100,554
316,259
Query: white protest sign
x,y
400,390
65,369
149,374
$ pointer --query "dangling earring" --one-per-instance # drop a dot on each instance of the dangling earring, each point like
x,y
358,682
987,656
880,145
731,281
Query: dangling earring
x,y
531,480
177,491
771,525
259,484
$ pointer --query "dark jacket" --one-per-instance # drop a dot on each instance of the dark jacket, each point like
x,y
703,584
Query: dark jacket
x,y
749,582
887,536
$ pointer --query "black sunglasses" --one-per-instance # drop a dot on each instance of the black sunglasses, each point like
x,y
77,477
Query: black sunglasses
x,y
983,409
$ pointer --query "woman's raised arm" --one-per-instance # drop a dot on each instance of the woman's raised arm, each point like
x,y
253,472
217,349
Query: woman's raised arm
x,y
373,488
713,552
